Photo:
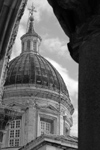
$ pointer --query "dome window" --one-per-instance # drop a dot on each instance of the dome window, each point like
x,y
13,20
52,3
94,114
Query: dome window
x,y
35,46
28,44
38,81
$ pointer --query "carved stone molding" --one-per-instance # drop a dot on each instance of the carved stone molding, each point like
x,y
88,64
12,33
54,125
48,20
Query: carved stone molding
x,y
37,94
16,25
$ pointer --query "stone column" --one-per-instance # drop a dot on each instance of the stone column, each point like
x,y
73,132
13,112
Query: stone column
x,y
80,21
89,94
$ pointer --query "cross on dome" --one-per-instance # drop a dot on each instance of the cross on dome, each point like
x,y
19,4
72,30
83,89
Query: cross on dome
x,y
30,25
31,10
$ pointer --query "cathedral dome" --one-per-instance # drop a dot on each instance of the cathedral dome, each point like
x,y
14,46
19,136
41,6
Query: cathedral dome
x,y
31,68
30,76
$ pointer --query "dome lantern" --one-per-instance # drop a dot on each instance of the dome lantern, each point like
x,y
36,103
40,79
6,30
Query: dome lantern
x,y
31,40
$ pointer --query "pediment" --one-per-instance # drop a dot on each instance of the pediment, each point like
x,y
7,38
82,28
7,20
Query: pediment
x,y
49,107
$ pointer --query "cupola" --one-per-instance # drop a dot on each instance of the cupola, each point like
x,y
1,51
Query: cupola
x,y
31,40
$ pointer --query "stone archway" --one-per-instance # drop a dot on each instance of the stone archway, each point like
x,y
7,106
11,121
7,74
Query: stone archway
x,y
10,15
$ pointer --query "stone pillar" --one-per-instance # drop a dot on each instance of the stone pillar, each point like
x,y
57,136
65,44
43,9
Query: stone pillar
x,y
61,124
89,94
31,124
80,21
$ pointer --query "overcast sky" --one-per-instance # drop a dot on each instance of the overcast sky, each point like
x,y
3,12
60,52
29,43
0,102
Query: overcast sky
x,y
53,48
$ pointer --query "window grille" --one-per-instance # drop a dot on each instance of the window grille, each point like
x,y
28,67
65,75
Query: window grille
x,y
11,142
14,133
45,127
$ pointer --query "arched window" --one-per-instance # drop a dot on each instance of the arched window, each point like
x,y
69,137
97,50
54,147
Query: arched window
x,y
35,46
28,44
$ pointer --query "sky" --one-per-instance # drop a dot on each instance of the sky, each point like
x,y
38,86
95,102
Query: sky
x,y
53,48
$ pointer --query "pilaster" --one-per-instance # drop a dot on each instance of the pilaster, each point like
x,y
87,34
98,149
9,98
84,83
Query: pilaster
x,y
31,123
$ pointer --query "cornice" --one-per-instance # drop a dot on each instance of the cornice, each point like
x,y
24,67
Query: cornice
x,y
37,93
54,140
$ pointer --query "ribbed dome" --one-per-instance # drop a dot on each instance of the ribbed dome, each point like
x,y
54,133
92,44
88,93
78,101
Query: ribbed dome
x,y
31,68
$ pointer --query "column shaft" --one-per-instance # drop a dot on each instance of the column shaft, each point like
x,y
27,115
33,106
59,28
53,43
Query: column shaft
x,y
89,94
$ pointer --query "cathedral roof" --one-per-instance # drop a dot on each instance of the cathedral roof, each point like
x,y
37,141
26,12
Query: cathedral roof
x,y
32,68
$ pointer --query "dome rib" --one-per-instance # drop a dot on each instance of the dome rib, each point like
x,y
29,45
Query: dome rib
x,y
50,73
30,72
17,69
55,74
33,68
40,69
46,73
26,80
23,67
10,72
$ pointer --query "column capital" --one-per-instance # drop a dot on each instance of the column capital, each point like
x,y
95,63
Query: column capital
x,y
79,19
